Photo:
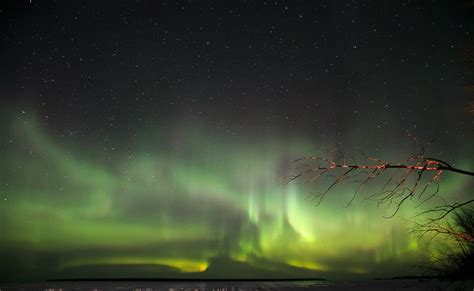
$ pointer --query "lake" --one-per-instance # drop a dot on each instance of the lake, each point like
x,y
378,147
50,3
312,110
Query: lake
x,y
405,284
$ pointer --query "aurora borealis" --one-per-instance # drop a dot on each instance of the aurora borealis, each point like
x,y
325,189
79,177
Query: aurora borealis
x,y
180,203
156,146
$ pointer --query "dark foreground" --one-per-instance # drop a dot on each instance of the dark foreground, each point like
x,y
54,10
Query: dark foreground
x,y
405,284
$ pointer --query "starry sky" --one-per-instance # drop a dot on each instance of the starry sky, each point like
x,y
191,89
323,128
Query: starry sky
x,y
149,139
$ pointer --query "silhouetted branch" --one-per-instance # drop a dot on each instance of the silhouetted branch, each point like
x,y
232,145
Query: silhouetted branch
x,y
417,176
442,211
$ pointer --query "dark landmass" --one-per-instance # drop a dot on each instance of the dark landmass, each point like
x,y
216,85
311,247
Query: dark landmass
x,y
411,277
219,269
181,279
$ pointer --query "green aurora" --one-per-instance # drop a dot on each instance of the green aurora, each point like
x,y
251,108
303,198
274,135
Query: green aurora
x,y
184,203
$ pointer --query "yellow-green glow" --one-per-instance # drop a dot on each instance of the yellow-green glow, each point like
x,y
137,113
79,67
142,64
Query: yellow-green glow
x,y
183,264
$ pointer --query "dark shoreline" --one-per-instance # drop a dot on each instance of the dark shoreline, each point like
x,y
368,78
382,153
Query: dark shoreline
x,y
184,280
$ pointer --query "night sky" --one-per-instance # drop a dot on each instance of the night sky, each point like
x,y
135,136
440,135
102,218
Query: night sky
x,y
150,138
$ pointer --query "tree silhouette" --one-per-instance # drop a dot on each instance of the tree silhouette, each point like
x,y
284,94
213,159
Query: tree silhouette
x,y
453,263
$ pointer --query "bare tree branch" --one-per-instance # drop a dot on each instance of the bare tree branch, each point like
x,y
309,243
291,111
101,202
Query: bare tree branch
x,y
418,176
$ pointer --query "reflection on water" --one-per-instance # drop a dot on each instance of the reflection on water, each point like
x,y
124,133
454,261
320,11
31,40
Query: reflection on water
x,y
241,285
